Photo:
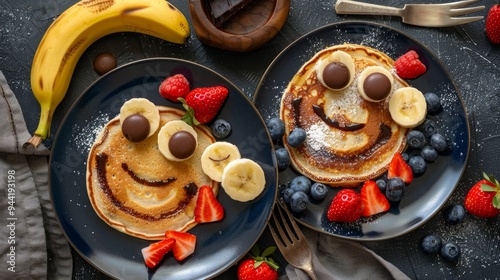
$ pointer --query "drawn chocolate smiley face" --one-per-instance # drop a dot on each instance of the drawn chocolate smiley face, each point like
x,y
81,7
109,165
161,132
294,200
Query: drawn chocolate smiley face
x,y
136,179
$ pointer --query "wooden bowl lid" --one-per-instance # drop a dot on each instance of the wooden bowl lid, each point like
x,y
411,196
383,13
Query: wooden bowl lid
x,y
246,30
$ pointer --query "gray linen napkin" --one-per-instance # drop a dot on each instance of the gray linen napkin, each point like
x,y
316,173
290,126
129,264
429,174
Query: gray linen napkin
x,y
33,245
341,259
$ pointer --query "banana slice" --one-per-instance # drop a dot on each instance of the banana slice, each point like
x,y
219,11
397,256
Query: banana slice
x,y
243,179
375,83
336,71
141,107
216,157
177,140
407,107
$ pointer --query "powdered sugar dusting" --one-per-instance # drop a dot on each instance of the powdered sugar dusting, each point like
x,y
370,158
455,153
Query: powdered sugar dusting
x,y
86,133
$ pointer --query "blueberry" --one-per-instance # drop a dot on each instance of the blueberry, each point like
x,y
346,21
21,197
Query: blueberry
x,y
319,191
454,214
283,159
415,139
301,183
431,244
381,184
450,251
439,142
395,189
276,128
221,128
405,156
418,165
429,153
287,194
428,127
299,202
433,102
297,137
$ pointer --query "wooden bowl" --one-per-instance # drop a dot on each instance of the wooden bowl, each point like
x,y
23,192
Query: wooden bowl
x,y
248,29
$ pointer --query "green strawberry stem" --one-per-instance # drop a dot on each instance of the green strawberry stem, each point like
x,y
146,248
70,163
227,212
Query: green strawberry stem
x,y
495,188
261,258
189,115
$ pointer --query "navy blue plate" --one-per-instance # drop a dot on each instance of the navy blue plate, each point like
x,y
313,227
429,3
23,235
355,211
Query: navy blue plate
x,y
220,244
427,193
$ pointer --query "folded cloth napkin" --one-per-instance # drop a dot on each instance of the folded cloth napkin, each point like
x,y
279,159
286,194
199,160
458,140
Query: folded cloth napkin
x,y
340,259
33,245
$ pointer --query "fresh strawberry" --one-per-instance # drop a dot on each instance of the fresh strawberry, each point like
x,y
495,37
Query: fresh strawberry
x,y
208,208
493,24
346,206
408,66
174,87
257,266
153,253
374,201
399,168
184,243
483,199
203,104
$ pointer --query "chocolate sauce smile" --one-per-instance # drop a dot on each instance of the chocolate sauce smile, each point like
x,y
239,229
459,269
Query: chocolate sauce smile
x,y
146,182
101,161
333,123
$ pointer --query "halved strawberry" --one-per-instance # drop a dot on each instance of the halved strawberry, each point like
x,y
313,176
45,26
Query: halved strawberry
x,y
208,208
399,168
153,253
374,201
184,243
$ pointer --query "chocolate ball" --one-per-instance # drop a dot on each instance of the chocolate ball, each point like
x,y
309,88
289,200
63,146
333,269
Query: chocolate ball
x,y
104,62
135,128
182,144
336,75
377,86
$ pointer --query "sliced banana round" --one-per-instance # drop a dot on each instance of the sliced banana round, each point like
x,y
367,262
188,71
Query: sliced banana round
x,y
177,140
375,83
140,107
243,179
407,107
216,157
336,71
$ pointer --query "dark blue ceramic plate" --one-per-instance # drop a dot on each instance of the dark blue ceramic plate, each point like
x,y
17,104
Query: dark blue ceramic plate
x,y
427,193
219,244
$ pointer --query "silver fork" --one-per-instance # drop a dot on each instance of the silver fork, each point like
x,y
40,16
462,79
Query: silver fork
x,y
292,244
427,15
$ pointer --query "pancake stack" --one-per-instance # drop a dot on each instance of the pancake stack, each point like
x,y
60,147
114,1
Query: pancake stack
x,y
349,139
136,190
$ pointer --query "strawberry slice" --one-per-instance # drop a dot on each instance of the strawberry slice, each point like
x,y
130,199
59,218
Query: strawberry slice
x,y
399,168
208,208
184,243
153,253
373,200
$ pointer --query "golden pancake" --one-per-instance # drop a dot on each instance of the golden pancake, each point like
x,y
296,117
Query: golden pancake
x,y
136,190
349,140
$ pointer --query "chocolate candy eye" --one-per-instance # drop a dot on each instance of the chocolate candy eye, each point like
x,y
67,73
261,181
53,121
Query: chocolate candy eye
x,y
335,71
375,83
182,144
135,128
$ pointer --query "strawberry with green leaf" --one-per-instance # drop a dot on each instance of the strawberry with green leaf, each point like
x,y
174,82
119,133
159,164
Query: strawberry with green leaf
x,y
483,199
202,104
258,266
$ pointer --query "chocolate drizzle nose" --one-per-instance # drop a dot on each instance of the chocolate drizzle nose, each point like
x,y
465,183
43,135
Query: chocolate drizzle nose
x,y
333,123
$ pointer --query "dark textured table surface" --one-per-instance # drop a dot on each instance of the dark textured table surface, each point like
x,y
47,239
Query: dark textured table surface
x,y
472,61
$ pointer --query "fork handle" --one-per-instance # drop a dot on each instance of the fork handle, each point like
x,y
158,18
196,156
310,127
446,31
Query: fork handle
x,y
360,8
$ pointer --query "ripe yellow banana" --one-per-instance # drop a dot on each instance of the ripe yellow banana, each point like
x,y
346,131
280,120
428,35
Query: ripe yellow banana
x,y
81,25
